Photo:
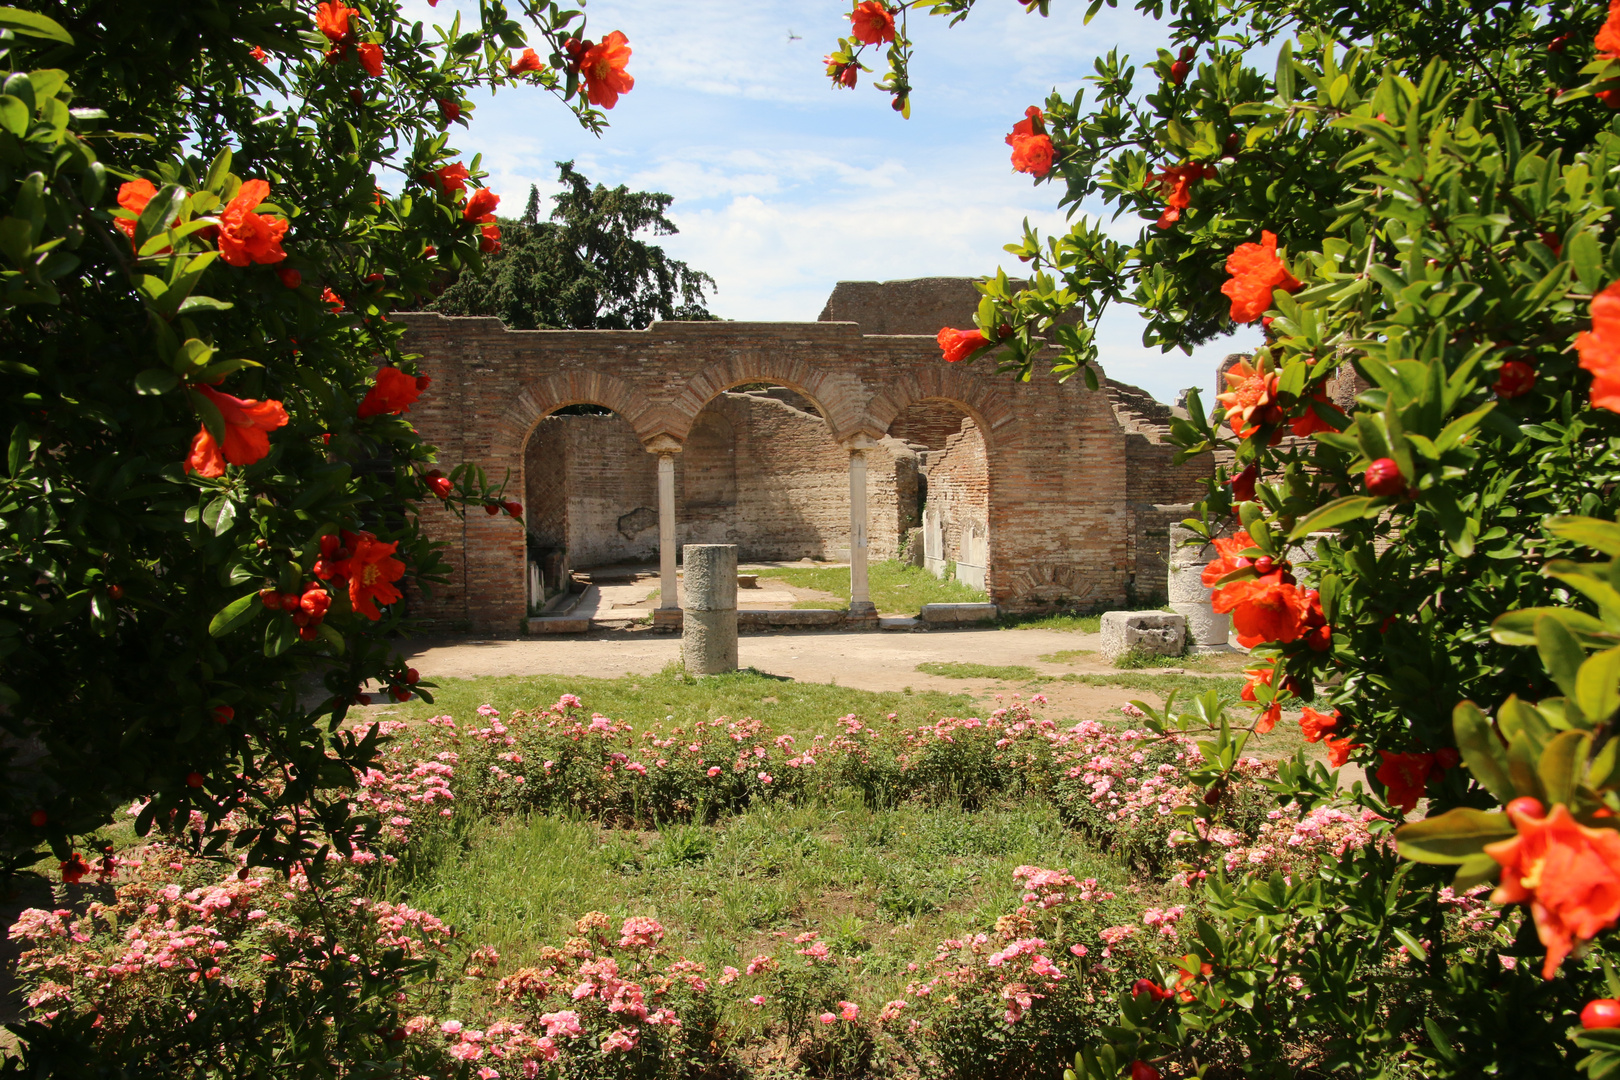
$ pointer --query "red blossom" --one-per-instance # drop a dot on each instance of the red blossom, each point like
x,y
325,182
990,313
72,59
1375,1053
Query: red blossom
x,y
481,206
391,394
248,424
1599,348
248,237
1567,872
371,572
371,58
1257,272
1032,148
1404,777
602,66
1515,379
959,344
529,61
872,23
332,18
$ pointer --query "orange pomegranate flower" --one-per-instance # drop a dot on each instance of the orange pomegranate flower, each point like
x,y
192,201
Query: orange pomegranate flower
x,y
1175,185
371,570
490,242
392,393
259,54
1314,725
246,237
959,344
603,65
332,19
1404,777
1569,874
1310,421
481,206
1608,38
1249,391
1032,147
452,178
1262,677
529,61
1339,750
872,23
248,424
133,196
1256,272
1229,557
1599,348
1264,609
371,58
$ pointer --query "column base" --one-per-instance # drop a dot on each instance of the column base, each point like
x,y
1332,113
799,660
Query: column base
x,y
862,613
666,618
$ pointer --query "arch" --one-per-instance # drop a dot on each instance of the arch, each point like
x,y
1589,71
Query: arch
x,y
840,396
543,396
989,408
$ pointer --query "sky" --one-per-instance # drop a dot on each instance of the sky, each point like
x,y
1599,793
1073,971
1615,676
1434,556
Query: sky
x,y
784,186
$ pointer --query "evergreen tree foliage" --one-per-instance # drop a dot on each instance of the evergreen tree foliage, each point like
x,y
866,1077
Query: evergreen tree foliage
x,y
585,269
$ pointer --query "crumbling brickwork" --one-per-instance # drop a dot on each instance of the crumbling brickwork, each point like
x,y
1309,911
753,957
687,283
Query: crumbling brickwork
x,y
1056,481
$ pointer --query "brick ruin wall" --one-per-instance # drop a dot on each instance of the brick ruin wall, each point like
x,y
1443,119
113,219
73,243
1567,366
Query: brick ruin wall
x,y
755,471
1063,501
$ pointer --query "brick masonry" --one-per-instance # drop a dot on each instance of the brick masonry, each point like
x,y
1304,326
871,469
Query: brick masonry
x,y
1056,455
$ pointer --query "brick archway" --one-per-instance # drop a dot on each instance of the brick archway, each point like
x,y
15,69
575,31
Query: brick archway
x,y
840,395
989,408
543,396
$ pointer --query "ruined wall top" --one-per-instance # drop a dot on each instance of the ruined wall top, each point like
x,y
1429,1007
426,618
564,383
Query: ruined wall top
x,y
917,306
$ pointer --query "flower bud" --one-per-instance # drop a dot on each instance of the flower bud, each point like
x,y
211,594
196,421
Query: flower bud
x,y
492,509
195,779
412,676
115,591
289,602
1601,1013
1384,477
1525,806
38,819
270,598
1178,74
224,714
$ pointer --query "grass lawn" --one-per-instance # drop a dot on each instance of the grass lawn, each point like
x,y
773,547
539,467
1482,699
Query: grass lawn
x,y
964,670
887,885
797,708
896,588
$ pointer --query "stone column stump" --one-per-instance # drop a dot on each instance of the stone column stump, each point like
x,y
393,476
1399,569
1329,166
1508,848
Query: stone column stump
x,y
709,622
1206,631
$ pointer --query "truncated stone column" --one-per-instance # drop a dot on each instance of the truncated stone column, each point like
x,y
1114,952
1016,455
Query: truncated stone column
x,y
709,619
668,613
1206,631
861,607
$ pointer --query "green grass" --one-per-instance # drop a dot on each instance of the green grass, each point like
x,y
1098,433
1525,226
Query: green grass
x,y
895,587
959,670
1066,656
1184,686
884,884
1057,620
791,707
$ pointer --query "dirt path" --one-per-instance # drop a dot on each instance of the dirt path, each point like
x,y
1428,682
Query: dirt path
x,y
861,660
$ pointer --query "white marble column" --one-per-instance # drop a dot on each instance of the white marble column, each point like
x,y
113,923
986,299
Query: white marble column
x,y
668,613
668,598
860,600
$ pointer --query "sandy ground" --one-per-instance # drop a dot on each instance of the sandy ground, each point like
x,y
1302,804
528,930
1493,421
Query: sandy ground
x,y
864,660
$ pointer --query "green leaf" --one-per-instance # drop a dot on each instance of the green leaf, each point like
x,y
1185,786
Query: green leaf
x,y
279,635
1453,836
1337,512
1482,751
1561,764
1597,687
1561,653
1413,945
235,615
32,24
1519,627
1595,533
156,381
1586,256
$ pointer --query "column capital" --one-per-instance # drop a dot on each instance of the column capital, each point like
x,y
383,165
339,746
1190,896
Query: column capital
x,y
662,444
861,442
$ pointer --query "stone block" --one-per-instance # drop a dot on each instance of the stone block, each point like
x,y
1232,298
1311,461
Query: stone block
x,y
709,641
914,547
1157,633
944,614
898,622
709,617
791,618
710,578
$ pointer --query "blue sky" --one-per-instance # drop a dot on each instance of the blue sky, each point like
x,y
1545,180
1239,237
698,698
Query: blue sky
x,y
784,186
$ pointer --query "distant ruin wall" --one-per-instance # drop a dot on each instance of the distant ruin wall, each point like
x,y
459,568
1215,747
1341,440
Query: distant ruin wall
x,y
754,472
